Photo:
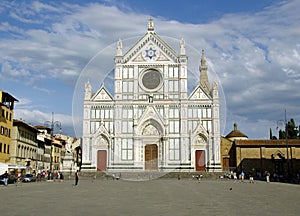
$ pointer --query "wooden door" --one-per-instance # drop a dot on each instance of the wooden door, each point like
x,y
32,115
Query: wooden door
x,y
101,160
226,164
200,160
151,157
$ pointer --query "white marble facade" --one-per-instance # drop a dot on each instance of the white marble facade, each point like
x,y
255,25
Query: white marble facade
x,y
151,123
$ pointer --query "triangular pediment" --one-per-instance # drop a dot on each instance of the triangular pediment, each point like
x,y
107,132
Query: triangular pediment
x,y
102,95
199,94
151,117
200,135
149,49
200,130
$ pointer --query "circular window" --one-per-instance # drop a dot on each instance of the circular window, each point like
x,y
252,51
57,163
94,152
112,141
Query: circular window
x,y
151,79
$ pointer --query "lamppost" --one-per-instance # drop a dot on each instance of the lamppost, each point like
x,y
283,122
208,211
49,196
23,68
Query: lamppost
x,y
52,124
280,122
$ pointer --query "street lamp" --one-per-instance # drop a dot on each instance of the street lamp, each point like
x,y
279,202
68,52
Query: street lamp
x,y
52,124
280,122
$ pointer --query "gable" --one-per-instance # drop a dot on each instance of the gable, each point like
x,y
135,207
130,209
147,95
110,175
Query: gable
x,y
199,94
102,95
149,49
150,117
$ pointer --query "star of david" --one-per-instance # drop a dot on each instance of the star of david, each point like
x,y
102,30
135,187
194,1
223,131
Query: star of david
x,y
150,53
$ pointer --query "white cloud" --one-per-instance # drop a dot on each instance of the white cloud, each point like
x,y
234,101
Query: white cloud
x,y
37,117
255,55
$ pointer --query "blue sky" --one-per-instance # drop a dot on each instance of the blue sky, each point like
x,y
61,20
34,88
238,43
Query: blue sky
x,y
252,46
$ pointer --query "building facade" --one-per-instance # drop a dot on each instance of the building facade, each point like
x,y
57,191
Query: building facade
x,y
6,124
65,151
256,157
24,148
151,122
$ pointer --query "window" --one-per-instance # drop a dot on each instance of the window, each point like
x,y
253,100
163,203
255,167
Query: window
x,y
173,86
207,125
174,126
97,113
4,149
93,113
7,148
127,113
127,126
173,112
106,113
174,149
127,87
192,124
173,72
194,112
128,73
127,149
0,147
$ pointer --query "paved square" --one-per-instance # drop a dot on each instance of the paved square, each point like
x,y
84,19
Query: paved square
x,y
155,197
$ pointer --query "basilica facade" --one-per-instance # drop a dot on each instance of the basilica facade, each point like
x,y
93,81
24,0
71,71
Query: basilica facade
x,y
151,122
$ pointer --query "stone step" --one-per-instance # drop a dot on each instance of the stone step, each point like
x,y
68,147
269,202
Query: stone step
x,y
143,176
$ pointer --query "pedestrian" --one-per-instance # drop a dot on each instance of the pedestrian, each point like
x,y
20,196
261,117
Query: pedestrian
x,y
200,177
234,176
76,178
251,179
19,178
243,176
5,178
268,177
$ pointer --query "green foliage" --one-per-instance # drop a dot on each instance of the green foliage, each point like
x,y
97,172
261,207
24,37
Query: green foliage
x,y
292,131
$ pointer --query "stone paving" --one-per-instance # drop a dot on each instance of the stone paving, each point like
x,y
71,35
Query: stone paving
x,y
155,197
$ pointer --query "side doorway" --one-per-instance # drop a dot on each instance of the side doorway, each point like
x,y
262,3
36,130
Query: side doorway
x,y
151,157
101,160
200,160
226,164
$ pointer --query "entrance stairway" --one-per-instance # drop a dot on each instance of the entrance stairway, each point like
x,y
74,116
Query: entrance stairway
x,y
142,176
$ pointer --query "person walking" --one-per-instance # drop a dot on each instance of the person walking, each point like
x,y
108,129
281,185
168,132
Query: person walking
x,y
76,178
267,177
5,178
243,176
251,178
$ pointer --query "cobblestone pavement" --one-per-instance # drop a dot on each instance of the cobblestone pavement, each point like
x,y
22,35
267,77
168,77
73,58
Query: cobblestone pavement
x,y
155,197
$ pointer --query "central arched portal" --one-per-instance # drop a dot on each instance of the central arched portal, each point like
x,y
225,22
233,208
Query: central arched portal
x,y
151,157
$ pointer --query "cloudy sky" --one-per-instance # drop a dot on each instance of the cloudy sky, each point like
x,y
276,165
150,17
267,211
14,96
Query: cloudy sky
x,y
252,46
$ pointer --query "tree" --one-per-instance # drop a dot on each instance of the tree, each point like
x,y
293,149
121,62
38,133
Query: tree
x,y
292,131
271,135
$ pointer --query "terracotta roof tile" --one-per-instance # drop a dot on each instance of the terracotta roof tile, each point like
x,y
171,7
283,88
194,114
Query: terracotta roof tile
x,y
281,142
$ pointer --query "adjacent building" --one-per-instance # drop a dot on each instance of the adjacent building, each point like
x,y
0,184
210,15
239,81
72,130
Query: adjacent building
x,y
44,142
65,151
6,124
24,148
257,157
151,122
